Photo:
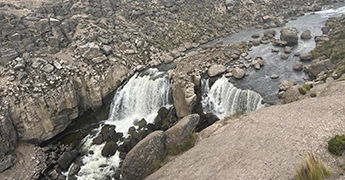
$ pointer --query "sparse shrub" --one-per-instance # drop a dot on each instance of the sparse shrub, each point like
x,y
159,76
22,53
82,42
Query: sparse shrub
x,y
312,94
178,149
312,169
306,87
336,145
302,90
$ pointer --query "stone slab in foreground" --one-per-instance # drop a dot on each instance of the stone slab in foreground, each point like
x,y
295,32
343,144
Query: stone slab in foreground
x,y
266,144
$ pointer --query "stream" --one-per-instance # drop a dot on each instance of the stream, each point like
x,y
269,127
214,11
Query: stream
x,y
146,92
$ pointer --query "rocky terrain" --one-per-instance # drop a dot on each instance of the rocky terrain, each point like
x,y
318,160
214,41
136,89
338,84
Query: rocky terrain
x,y
59,59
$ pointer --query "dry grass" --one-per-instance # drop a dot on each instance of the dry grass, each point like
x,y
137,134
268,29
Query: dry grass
x,y
312,169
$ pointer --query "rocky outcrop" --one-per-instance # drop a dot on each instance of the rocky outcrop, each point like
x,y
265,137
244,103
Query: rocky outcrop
x,y
319,65
179,134
290,35
8,140
216,70
144,158
184,97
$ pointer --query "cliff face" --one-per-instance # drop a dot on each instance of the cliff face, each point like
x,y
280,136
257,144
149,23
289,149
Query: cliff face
x,y
60,58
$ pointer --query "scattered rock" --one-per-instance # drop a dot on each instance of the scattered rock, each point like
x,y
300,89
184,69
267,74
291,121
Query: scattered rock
x,y
287,49
66,159
109,149
238,73
274,76
285,84
48,68
284,56
305,57
306,34
255,36
215,70
298,66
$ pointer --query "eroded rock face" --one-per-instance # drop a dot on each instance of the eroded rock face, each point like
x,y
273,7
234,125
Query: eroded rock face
x,y
142,160
184,97
290,35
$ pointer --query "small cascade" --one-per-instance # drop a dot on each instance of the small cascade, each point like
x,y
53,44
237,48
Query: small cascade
x,y
224,99
141,97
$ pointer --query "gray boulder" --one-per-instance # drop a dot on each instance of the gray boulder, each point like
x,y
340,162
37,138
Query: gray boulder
x,y
270,32
142,160
284,85
290,35
180,133
305,56
215,70
298,66
66,159
238,73
306,34
109,149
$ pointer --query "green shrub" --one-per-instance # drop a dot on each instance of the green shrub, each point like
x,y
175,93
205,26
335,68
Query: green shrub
x,y
302,90
306,87
336,145
312,94
312,169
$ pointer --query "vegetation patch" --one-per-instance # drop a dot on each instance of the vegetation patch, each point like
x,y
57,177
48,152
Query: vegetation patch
x,y
178,149
304,89
336,145
312,94
334,48
312,169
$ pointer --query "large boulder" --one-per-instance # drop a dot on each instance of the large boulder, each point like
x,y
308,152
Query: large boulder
x,y
109,149
179,134
142,160
290,35
66,159
216,70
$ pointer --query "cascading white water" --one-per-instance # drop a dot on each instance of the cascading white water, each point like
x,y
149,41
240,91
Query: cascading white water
x,y
224,98
141,97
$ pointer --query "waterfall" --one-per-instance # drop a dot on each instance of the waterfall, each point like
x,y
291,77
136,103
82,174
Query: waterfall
x,y
141,97
224,98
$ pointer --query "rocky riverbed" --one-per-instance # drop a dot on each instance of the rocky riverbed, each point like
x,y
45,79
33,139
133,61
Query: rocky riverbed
x,y
61,58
